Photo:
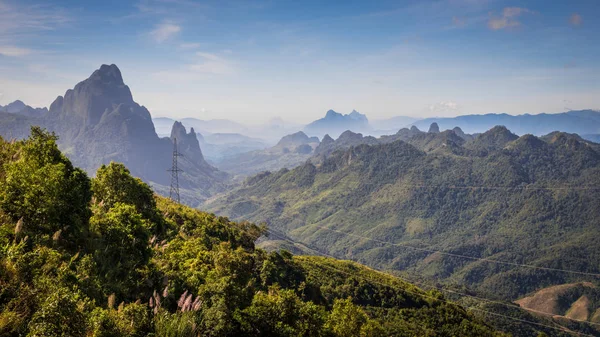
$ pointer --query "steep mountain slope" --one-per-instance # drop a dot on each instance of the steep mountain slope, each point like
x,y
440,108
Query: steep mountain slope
x,y
98,122
106,257
393,206
578,301
580,122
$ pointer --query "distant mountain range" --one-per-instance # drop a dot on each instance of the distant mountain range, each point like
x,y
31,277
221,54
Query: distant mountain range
x,y
20,108
582,122
335,123
98,122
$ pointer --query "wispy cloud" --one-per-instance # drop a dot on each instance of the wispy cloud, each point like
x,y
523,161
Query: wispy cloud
x,y
444,107
212,64
19,19
165,31
204,63
575,19
12,51
508,19
191,45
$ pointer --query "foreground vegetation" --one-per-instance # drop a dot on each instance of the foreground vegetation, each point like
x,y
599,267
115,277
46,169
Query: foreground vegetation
x,y
106,257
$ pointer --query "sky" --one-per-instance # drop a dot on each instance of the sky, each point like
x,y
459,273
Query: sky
x,y
251,61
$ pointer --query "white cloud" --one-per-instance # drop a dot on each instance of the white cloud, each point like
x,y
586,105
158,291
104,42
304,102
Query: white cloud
x,y
164,31
575,19
12,51
192,45
444,107
508,19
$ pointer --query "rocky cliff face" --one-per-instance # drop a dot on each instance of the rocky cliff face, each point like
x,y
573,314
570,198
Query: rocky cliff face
x,y
92,98
187,143
98,122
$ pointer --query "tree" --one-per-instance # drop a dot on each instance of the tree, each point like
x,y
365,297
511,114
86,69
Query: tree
x,y
346,318
282,313
45,192
115,184
123,237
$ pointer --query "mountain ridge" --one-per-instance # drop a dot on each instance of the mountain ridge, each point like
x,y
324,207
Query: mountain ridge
x,y
496,204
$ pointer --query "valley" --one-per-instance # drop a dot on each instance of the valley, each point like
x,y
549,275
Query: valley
x,y
477,215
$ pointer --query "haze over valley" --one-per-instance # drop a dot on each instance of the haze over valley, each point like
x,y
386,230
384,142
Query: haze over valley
x,y
197,168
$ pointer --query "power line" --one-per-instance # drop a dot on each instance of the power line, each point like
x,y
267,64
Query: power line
x,y
425,295
481,187
461,255
174,190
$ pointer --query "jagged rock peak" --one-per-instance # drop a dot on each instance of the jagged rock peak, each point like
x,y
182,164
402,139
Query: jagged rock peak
x,y
294,139
414,129
186,142
349,135
99,94
434,128
109,74
327,139
459,132
330,113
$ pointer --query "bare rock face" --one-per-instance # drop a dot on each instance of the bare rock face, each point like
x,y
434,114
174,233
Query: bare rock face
x,y
434,128
187,143
98,122
101,93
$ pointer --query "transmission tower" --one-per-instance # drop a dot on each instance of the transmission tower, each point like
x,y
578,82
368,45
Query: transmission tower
x,y
174,192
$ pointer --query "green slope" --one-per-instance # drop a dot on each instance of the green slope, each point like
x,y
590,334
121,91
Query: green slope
x,y
390,206
106,257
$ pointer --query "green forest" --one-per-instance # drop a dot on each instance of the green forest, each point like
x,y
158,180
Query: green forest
x,y
105,256
524,200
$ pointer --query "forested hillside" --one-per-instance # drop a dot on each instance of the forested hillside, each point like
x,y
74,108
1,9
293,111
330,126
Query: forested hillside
x,y
106,257
501,214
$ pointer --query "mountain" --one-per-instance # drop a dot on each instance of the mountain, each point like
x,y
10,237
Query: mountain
x,y
390,125
418,208
345,140
20,108
335,123
98,122
593,138
291,150
578,301
296,139
580,122
107,257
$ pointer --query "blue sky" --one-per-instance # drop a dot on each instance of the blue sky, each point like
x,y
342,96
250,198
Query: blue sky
x,y
252,61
